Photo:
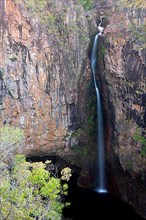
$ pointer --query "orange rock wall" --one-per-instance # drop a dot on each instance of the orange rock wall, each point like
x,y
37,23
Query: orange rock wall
x,y
41,77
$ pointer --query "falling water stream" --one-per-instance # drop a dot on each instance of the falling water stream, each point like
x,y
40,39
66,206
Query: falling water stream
x,y
100,183
89,204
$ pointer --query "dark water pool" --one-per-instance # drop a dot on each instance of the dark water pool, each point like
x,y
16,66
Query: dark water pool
x,y
87,204
90,205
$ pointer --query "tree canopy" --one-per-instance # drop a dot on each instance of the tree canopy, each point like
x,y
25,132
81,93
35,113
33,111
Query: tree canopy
x,y
28,191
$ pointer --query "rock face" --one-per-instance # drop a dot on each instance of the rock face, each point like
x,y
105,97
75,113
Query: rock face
x,y
46,88
43,73
124,81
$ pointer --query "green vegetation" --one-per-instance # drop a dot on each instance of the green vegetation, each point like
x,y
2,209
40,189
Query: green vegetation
x,y
82,151
37,9
129,165
142,140
11,140
55,21
38,6
35,6
137,30
138,4
76,133
138,33
87,4
91,109
28,191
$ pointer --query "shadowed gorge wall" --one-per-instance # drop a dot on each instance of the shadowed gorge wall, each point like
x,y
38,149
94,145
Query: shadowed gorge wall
x,y
124,86
46,88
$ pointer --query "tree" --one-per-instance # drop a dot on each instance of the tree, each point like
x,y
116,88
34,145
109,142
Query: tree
x,y
11,140
28,191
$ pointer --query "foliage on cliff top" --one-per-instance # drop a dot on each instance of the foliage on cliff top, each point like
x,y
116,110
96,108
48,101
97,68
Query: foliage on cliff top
x,y
61,19
36,7
138,4
137,25
39,5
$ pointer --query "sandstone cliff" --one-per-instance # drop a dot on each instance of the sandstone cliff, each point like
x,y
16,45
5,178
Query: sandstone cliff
x,y
43,73
124,86
46,88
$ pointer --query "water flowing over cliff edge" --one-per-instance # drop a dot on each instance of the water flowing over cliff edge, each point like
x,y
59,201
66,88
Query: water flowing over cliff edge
x,y
46,88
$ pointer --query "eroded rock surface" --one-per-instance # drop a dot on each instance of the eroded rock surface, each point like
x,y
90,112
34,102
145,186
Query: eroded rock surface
x,y
124,80
46,88
43,73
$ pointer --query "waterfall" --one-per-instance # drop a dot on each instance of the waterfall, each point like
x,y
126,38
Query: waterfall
x,y
100,186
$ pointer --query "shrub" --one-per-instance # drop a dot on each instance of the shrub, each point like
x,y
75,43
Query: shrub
x,y
29,191
11,140
141,139
87,4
